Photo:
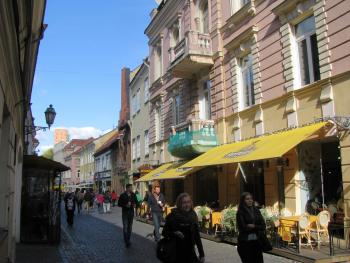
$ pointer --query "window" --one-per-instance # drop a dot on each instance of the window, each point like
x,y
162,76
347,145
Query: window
x,y
146,143
158,122
305,35
146,90
176,109
133,149
204,17
207,100
237,4
133,105
138,101
78,173
138,146
175,34
247,83
157,62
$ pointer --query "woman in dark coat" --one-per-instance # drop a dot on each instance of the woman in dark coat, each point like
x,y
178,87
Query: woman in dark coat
x,y
250,225
182,225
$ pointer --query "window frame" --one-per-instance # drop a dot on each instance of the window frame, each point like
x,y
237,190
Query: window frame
x,y
310,59
247,95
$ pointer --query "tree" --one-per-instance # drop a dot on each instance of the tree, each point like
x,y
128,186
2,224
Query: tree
x,y
48,154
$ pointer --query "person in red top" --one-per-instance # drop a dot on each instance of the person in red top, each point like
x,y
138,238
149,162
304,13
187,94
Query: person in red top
x,y
114,198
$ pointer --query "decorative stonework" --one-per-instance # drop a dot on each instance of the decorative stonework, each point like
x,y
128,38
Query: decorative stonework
x,y
247,10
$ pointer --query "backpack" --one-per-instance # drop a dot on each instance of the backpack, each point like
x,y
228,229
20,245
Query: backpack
x,y
70,203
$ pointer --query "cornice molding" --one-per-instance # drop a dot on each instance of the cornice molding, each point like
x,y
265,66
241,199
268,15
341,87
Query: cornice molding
x,y
241,38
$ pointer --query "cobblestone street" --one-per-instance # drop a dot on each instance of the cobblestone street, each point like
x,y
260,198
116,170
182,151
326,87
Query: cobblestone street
x,y
98,238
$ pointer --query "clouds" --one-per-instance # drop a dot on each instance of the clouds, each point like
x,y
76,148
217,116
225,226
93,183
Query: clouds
x,y
46,138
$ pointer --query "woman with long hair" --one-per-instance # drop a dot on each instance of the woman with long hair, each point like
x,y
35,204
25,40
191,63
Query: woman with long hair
x,y
250,224
182,225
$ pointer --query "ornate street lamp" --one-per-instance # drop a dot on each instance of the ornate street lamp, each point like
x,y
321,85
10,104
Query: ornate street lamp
x,y
50,115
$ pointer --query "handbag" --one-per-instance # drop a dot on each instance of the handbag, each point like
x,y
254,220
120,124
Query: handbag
x,y
166,250
264,242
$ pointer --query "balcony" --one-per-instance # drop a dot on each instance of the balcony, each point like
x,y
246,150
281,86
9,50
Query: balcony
x,y
192,138
191,54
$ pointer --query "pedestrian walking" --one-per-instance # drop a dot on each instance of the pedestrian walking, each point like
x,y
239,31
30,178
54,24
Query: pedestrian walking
x,y
181,227
69,204
80,199
107,202
127,201
87,200
114,198
251,226
156,201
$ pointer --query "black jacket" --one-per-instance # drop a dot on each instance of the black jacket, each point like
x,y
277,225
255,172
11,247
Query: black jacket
x,y
152,202
187,224
124,199
244,218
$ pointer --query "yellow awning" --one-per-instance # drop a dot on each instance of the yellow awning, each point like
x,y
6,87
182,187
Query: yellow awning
x,y
168,171
177,172
264,147
153,174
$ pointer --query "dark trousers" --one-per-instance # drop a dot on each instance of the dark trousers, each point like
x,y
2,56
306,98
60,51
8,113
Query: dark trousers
x,y
70,216
157,218
80,206
127,217
250,252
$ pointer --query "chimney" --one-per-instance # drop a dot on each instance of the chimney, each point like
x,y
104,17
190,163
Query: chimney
x,y
124,114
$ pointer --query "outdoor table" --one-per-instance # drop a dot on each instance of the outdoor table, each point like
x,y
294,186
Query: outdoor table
x,y
287,223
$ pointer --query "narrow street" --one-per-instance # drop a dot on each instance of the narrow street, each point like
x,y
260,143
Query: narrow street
x,y
98,238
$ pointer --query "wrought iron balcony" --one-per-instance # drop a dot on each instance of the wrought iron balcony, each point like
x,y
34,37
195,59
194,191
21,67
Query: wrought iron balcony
x,y
191,54
197,138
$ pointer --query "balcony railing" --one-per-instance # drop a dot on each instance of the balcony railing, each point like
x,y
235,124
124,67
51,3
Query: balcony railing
x,y
192,138
195,47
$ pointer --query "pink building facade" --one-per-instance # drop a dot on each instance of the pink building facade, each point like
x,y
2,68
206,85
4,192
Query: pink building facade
x,y
242,69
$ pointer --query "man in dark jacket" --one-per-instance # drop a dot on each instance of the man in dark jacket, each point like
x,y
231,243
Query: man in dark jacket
x,y
127,201
69,204
156,201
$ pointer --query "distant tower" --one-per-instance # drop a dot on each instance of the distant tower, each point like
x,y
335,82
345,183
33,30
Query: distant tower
x,y
61,135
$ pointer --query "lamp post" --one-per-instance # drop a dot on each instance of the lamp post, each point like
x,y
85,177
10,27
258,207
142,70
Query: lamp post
x,y
50,115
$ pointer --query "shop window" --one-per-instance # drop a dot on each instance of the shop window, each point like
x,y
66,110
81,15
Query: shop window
x,y
252,180
305,36
207,191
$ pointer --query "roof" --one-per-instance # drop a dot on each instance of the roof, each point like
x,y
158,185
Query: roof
x,y
84,144
108,143
133,72
76,142
33,161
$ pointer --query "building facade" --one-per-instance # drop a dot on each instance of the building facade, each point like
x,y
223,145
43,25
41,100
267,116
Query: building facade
x,y
140,123
72,177
59,152
21,25
248,69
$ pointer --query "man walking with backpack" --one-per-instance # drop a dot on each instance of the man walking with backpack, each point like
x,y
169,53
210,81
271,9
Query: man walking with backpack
x,y
69,203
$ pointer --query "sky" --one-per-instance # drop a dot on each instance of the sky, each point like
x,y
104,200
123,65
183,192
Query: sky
x,y
85,46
